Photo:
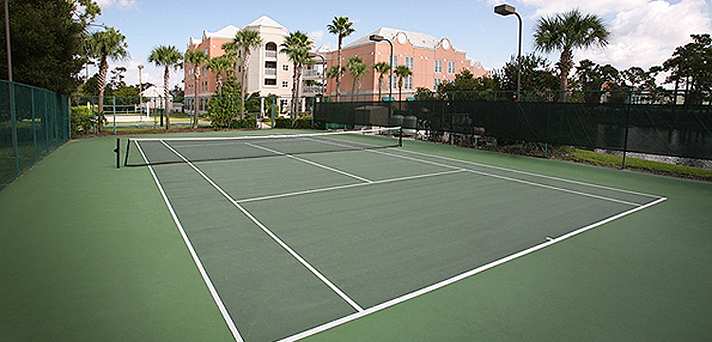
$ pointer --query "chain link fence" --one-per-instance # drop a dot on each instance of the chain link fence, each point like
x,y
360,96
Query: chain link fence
x,y
33,122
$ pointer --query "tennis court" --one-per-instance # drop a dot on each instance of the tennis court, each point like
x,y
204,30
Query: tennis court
x,y
297,234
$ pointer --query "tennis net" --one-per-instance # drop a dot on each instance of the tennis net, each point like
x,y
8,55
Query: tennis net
x,y
157,151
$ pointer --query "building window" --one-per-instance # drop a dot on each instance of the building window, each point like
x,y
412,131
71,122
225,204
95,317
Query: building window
x,y
408,82
270,81
283,103
409,62
451,67
285,84
438,65
285,67
394,61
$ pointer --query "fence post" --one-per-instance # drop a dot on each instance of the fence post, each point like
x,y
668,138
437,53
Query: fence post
x,y
625,140
69,118
274,107
113,104
34,126
13,125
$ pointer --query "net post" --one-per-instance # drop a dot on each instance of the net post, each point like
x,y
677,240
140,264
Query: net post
x,y
128,145
400,136
117,152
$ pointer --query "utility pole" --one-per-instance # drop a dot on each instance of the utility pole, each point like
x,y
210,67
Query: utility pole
x,y
140,86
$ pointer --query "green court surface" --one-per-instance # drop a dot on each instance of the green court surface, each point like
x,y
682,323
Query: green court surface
x,y
420,242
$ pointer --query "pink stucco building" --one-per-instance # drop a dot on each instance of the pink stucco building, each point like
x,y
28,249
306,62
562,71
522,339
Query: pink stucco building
x,y
432,61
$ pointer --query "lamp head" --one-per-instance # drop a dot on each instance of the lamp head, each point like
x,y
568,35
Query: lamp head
x,y
505,10
376,38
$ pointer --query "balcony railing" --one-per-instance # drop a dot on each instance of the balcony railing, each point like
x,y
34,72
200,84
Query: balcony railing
x,y
271,54
270,71
312,73
311,90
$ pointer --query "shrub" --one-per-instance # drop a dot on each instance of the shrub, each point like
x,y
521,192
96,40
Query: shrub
x,y
223,108
303,122
83,120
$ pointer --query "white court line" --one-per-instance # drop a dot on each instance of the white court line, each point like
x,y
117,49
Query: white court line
x,y
311,163
516,180
566,180
593,185
464,275
274,236
348,186
500,177
201,269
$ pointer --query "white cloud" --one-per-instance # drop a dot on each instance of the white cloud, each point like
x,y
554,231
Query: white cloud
x,y
643,32
116,3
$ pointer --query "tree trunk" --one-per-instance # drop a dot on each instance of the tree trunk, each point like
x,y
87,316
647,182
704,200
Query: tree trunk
x,y
338,72
353,90
380,88
195,97
166,112
299,87
103,68
565,65
295,90
243,87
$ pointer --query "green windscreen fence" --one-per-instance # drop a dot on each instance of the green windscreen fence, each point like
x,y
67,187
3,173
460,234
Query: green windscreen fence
x,y
671,130
33,122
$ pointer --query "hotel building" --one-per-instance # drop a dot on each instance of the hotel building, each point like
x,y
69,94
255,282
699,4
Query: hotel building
x,y
269,72
432,61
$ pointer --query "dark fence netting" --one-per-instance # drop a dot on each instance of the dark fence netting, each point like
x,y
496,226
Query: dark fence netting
x,y
672,130
33,122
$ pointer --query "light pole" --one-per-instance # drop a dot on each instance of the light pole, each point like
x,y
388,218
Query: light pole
x,y
378,38
505,10
140,86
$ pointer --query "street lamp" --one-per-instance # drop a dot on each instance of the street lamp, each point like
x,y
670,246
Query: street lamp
x,y
378,38
505,10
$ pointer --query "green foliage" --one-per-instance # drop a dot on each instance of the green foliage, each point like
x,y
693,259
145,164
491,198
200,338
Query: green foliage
x,y
82,121
538,79
566,32
467,87
691,65
424,94
224,108
303,122
47,42
357,68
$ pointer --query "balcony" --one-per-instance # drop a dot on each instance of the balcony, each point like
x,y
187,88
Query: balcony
x,y
271,71
271,54
313,74
311,90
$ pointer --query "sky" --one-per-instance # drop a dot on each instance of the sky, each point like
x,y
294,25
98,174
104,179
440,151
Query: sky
x,y
643,33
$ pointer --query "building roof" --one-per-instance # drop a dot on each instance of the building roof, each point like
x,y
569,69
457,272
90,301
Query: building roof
x,y
229,31
417,39
266,22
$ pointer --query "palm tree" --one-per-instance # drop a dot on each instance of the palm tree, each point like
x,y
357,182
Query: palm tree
x,y
357,69
334,72
195,58
167,57
246,40
104,46
401,72
220,65
566,32
342,28
297,46
232,55
382,69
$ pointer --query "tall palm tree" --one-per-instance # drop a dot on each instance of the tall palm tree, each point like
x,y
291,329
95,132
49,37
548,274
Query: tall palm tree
x,y
104,46
566,32
220,66
342,28
167,57
246,40
382,68
195,59
297,46
232,55
401,72
357,69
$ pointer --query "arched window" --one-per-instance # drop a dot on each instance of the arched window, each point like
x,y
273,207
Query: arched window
x,y
271,46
